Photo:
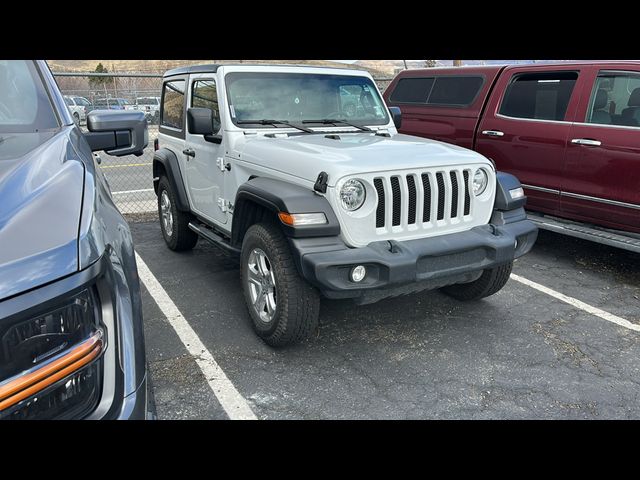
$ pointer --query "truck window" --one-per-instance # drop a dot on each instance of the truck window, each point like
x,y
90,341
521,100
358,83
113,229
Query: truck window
x,y
540,96
204,95
412,90
173,105
444,91
615,99
455,91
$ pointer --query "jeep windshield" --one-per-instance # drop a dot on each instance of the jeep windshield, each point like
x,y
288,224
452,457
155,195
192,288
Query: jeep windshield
x,y
304,98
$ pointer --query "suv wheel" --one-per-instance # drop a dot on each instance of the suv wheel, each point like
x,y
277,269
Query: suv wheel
x,y
174,223
490,282
283,307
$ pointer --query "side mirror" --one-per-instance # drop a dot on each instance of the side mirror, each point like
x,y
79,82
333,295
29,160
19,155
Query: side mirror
x,y
396,114
117,132
200,121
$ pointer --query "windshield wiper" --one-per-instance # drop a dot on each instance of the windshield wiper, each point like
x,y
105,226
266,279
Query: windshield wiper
x,y
273,122
334,121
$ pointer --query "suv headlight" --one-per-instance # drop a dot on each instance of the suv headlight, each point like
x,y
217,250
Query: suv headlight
x,y
480,181
352,195
49,363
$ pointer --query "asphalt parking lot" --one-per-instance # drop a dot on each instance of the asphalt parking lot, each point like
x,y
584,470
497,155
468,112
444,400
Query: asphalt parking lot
x,y
520,354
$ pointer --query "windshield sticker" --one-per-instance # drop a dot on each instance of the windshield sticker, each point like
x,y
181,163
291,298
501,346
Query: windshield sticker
x,y
297,100
365,88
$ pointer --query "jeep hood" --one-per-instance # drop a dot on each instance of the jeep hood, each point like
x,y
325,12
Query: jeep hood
x,y
40,203
307,155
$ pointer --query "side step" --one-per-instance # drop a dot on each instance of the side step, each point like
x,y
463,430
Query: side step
x,y
612,238
214,238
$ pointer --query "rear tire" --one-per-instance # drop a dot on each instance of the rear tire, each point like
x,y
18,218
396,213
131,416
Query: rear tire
x,y
174,223
283,307
491,281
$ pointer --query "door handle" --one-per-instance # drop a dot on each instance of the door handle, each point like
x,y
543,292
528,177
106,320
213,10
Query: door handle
x,y
189,152
587,141
493,133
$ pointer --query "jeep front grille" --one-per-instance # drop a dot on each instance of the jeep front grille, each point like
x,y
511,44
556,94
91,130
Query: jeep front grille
x,y
422,200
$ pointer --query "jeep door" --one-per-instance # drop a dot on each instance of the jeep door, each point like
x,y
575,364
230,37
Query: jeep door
x,y
602,181
204,167
526,127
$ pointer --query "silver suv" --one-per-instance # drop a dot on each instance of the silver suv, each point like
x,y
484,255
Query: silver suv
x,y
301,173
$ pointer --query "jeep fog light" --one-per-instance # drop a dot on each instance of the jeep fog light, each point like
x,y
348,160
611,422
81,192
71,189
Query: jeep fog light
x,y
298,219
358,273
516,193
352,195
480,181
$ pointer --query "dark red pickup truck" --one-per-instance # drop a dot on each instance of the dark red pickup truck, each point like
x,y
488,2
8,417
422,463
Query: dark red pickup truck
x,y
569,132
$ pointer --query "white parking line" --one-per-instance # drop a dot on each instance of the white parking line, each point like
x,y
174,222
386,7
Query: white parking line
x,y
609,317
133,191
233,403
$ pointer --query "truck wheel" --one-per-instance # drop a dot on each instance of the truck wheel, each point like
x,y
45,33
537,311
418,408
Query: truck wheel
x,y
490,282
174,223
283,307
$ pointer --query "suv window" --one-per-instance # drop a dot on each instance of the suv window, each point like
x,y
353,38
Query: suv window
x,y
24,103
68,101
173,104
540,96
82,101
204,95
447,90
615,99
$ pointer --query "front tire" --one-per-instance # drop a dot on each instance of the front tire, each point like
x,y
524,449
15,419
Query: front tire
x,y
283,307
174,223
491,281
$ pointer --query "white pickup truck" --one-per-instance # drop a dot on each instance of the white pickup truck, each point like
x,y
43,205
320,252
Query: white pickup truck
x,y
301,172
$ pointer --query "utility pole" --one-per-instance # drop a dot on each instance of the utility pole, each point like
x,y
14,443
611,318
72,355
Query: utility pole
x,y
405,64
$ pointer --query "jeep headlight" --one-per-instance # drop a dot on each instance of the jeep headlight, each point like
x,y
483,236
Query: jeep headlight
x,y
480,181
352,195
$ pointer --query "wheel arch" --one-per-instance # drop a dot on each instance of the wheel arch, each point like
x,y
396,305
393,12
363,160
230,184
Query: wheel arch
x,y
165,162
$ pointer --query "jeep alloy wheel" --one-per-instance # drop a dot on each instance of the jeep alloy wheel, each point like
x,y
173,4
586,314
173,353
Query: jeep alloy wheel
x,y
262,285
283,307
165,212
173,222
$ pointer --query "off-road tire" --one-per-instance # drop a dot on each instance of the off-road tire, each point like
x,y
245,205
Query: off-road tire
x,y
490,282
182,237
297,302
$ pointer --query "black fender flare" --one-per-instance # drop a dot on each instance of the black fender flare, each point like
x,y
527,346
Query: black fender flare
x,y
280,196
169,161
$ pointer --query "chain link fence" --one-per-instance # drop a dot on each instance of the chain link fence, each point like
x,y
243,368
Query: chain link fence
x,y
130,177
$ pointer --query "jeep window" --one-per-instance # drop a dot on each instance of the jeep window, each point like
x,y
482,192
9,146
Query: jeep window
x,y
24,103
173,106
615,99
204,95
540,96
296,97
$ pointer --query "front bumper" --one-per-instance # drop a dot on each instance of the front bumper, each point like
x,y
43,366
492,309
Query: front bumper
x,y
395,268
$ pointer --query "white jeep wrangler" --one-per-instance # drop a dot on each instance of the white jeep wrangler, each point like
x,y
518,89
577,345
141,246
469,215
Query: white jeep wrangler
x,y
302,173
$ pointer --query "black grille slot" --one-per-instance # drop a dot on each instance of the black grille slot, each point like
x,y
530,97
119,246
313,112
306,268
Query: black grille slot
x,y
411,184
395,191
440,182
454,193
381,204
467,196
426,203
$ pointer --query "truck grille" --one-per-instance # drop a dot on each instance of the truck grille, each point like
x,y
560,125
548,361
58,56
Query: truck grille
x,y
422,200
